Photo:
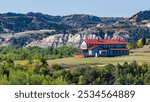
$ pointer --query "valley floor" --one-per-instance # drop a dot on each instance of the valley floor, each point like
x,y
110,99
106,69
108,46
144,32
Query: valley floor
x,y
102,61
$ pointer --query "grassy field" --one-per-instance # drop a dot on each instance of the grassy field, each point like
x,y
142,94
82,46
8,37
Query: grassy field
x,y
101,61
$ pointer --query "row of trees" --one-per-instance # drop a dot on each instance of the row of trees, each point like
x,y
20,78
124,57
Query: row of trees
x,y
140,43
30,53
37,72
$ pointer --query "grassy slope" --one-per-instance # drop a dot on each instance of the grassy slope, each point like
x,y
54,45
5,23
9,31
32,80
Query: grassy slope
x,y
139,57
146,48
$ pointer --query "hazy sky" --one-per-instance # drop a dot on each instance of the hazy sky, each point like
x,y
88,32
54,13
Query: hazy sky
x,y
100,8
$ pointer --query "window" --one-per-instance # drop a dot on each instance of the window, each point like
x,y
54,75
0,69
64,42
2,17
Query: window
x,y
83,46
90,52
114,52
100,52
112,46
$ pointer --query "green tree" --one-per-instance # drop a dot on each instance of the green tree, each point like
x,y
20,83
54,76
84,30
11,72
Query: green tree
x,y
140,43
81,80
130,45
144,41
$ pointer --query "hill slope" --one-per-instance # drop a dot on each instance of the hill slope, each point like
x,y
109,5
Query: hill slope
x,y
37,29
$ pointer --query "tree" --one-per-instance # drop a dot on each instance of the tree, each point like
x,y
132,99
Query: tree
x,y
130,45
140,43
36,79
81,80
18,78
144,41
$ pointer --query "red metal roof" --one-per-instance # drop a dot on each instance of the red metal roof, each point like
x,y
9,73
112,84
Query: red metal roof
x,y
78,55
119,49
108,41
91,48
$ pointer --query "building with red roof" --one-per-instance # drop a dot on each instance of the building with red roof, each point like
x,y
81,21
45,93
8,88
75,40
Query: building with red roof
x,y
109,47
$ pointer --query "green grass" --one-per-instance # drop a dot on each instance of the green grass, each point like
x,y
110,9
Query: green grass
x,y
139,57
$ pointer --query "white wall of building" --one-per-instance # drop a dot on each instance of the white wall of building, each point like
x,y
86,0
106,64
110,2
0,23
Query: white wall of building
x,y
83,45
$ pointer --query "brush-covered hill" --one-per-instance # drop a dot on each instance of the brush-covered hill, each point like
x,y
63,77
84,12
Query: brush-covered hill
x,y
141,16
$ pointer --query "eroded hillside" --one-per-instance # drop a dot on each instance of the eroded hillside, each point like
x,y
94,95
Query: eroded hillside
x,y
37,29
